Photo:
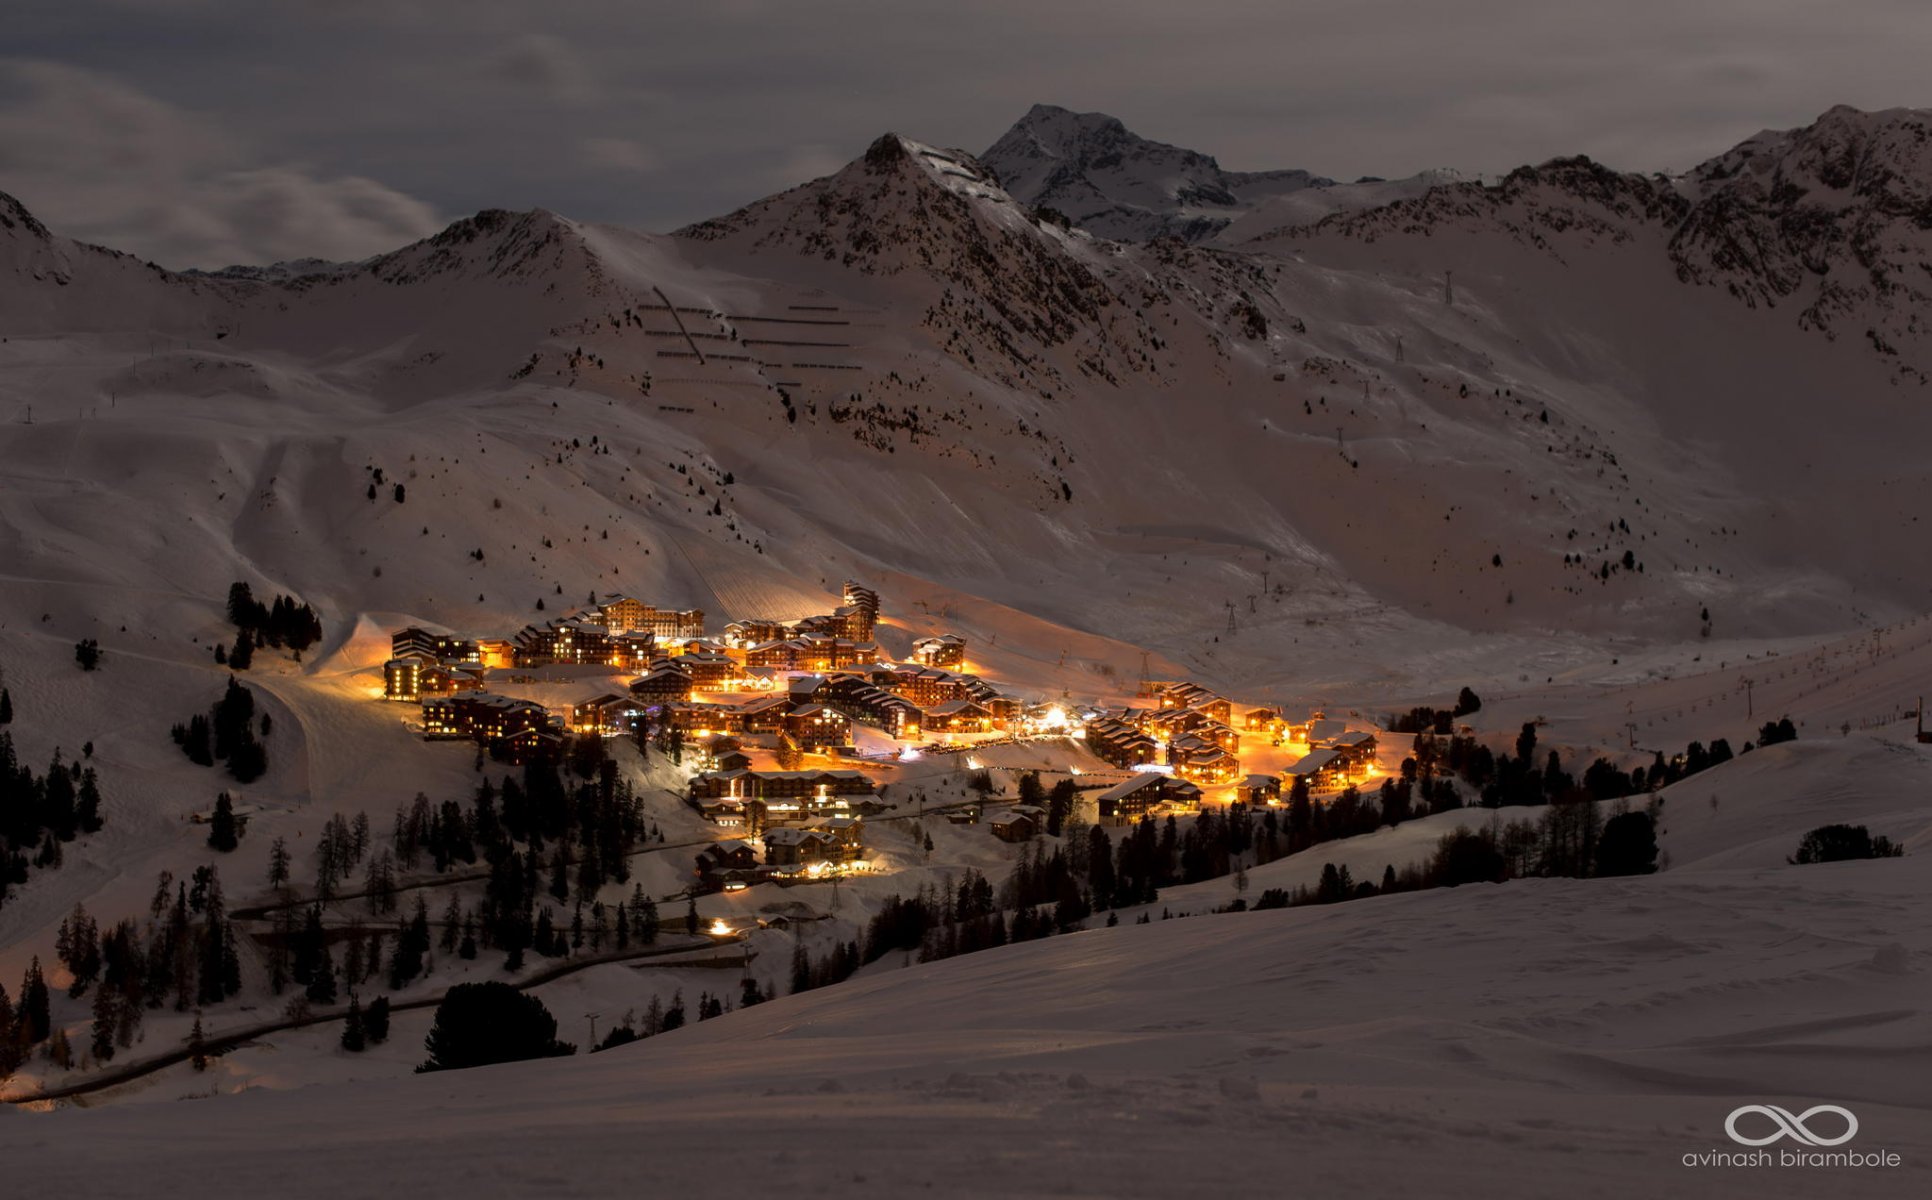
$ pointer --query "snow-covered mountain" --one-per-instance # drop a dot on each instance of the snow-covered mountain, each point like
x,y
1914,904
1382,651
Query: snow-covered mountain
x,y
1093,170
1539,408
1106,179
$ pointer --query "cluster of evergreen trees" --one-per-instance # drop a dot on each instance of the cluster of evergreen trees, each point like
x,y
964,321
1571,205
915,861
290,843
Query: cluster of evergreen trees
x,y
364,1028
282,622
1568,840
227,733
1519,779
305,955
184,953
1843,843
662,1018
41,813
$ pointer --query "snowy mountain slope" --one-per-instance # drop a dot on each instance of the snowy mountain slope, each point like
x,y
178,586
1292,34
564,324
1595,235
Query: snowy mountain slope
x,y
1565,1030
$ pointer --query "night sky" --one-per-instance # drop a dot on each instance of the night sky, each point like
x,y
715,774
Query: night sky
x,y
203,132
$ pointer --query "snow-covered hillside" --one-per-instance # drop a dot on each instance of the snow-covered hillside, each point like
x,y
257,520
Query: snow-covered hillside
x,y
1523,1040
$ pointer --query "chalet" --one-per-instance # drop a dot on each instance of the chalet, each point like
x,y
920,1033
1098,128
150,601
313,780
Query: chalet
x,y
945,651
732,760
1264,720
1319,768
669,685
778,653
482,717
745,634
602,714
924,686
1146,793
1323,731
957,716
572,641
807,689
1201,761
1356,751
813,726
717,859
793,846
847,834
532,746
440,679
833,840
1019,824
843,622
765,714
1194,696
1119,743
1260,790
496,652
897,716
709,671
699,720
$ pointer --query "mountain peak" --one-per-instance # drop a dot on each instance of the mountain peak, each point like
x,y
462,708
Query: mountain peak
x,y
1112,181
15,217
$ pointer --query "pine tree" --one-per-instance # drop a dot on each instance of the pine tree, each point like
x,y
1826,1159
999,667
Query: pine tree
x,y
353,1037
106,1019
243,655
278,864
9,1044
691,915
321,989
87,804
221,827
6,707
375,1022
34,1018
197,1046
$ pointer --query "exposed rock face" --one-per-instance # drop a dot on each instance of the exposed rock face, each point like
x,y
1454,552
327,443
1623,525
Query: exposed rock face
x,y
1116,184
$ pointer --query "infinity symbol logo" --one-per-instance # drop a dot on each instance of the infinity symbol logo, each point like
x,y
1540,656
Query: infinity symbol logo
x,y
1791,1126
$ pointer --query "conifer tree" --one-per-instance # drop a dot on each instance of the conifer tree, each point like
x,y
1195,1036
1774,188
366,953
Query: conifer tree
x,y
34,1018
221,827
197,1047
321,989
354,1039
106,1019
243,655
375,1022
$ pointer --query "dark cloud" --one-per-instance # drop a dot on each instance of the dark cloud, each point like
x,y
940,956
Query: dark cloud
x,y
655,115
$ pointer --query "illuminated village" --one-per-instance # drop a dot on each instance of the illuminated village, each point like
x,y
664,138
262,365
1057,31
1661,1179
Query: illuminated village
x,y
792,730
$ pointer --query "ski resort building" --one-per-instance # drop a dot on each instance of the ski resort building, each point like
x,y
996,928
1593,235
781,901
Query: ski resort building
x,y
946,651
1147,793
